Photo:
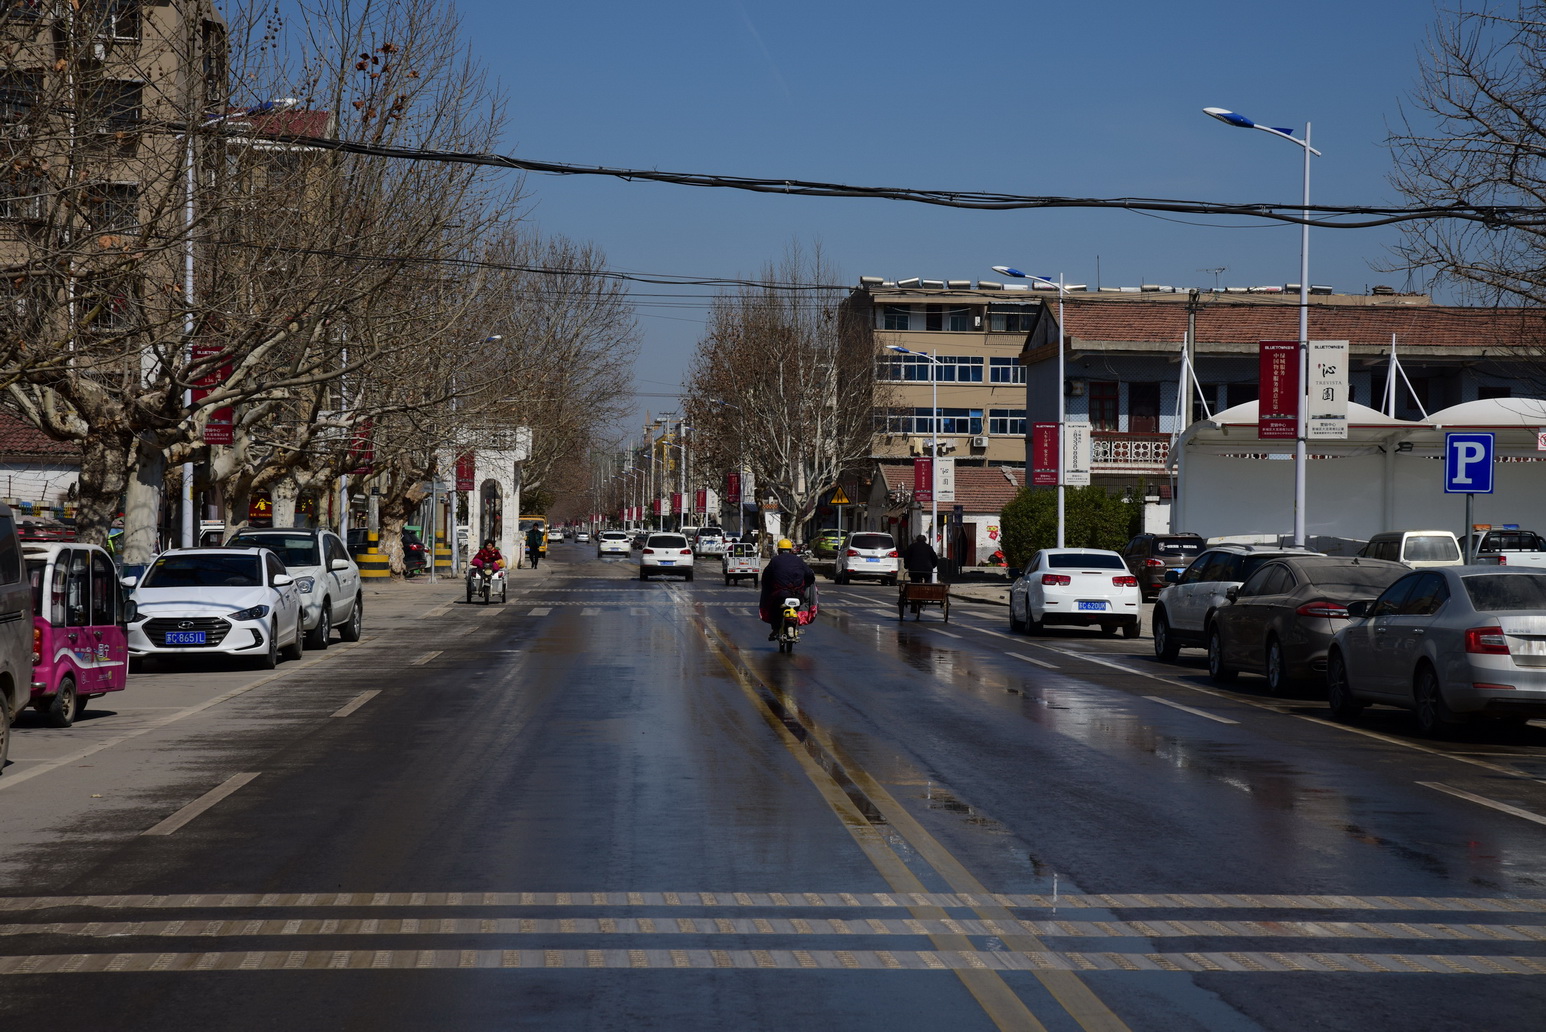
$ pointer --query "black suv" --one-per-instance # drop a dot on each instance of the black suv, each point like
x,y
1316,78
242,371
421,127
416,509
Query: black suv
x,y
1148,556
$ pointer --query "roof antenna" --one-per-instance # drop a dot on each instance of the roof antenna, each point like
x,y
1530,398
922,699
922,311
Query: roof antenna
x,y
1216,270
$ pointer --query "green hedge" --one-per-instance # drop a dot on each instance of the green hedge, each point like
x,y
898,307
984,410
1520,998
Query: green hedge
x,y
1094,518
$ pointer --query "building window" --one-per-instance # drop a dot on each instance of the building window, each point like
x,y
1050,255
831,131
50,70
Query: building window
x,y
1007,421
108,306
1488,390
114,106
959,320
959,369
933,318
120,19
951,421
893,367
19,93
112,207
1105,405
1240,393
23,196
1005,370
1211,395
896,317
1011,318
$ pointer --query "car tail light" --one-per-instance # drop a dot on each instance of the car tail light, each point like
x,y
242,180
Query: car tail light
x,y
1323,608
687,551
892,555
1502,561
1482,686
37,645
1154,562
1486,641
851,553
1056,578
649,551
1125,582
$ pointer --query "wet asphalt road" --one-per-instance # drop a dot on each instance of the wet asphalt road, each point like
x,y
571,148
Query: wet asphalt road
x,y
613,805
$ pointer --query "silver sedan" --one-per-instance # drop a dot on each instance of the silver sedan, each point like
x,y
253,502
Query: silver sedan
x,y
1447,643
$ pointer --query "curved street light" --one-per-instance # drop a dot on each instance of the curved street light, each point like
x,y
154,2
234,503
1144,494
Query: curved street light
x,y
1009,270
1240,121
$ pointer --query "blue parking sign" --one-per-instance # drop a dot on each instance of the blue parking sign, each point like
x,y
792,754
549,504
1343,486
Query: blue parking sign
x,y
1468,463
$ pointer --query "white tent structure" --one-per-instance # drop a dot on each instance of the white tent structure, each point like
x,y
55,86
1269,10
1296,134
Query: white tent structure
x,y
1387,475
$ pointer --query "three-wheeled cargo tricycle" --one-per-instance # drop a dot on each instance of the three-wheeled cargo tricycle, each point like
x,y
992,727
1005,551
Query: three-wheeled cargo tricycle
x,y
741,560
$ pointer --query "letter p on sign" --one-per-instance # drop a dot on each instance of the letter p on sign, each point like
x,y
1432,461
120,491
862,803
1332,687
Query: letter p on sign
x,y
1468,463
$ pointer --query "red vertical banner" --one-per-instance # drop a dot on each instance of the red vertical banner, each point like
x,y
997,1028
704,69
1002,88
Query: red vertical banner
x,y
220,427
1277,407
1044,454
465,472
676,503
733,487
361,460
923,481
700,501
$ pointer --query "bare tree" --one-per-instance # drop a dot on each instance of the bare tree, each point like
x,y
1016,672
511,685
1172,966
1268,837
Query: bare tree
x,y
785,384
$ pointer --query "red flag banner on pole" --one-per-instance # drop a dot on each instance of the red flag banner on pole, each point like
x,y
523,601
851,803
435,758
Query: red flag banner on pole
x,y
1044,454
923,481
465,472
1277,407
220,427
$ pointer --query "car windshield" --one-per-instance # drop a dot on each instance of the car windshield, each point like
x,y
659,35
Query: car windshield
x,y
614,535
667,541
870,541
1172,546
292,549
1085,561
1431,549
205,570
1492,592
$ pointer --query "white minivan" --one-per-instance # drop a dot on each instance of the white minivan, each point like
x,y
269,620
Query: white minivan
x,y
1415,548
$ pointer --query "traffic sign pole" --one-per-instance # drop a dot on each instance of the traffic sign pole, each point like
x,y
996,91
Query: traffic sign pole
x,y
1468,471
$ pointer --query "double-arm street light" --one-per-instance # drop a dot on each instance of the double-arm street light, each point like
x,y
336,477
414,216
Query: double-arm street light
x,y
933,436
1241,122
1007,270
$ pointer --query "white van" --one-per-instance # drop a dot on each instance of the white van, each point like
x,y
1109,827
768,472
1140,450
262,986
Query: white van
x,y
1415,548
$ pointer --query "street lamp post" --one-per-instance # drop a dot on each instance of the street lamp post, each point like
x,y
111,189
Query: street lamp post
x,y
1006,270
189,184
1241,122
933,443
740,506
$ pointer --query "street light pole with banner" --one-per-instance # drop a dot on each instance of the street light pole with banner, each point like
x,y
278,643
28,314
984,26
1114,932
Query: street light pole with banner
x,y
1327,418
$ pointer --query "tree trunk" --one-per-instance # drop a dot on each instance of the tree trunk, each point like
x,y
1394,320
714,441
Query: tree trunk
x,y
283,493
104,473
391,544
142,502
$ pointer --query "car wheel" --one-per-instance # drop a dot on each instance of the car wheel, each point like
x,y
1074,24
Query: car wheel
x,y
1276,668
469,591
1216,668
318,638
689,575
355,625
1165,646
1032,625
270,659
1433,713
1131,629
643,575
64,707
1016,622
1339,690
296,647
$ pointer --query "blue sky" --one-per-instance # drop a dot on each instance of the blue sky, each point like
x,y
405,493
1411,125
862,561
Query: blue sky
x,y
1087,99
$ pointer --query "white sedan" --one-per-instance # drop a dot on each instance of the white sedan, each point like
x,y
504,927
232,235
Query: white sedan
x,y
224,601
612,542
1081,586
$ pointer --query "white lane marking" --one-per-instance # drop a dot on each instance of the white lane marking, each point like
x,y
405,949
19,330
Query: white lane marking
x,y
1491,804
358,701
946,633
441,610
1188,709
201,804
742,611
426,658
540,611
1028,659
590,611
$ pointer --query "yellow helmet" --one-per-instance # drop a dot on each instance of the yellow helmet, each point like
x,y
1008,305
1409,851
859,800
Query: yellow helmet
x,y
785,545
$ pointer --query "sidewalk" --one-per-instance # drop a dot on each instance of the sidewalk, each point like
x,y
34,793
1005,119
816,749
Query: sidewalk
x,y
987,587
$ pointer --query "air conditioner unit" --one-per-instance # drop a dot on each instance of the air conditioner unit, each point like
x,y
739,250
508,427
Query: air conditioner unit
x,y
980,441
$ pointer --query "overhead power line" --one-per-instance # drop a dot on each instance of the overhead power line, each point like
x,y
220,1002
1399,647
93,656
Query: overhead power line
x,y
1325,216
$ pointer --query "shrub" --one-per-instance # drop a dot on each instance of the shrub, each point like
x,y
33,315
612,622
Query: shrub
x,y
1093,518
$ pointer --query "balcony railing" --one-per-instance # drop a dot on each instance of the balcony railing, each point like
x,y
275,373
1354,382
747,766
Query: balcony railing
x,y
1117,452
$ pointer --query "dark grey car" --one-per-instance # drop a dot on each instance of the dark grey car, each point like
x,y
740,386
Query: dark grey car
x,y
1280,622
1148,556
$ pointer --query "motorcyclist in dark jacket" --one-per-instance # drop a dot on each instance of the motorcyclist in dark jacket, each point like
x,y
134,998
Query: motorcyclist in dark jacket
x,y
785,576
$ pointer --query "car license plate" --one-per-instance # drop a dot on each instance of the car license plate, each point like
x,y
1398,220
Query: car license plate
x,y
1527,646
668,562
185,637
1091,605
871,559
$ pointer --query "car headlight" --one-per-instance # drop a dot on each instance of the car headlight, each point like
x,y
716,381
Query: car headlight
x,y
255,613
306,584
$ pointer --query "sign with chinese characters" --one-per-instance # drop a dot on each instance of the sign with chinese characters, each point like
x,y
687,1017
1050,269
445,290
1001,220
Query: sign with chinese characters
x,y
220,426
1078,452
1277,408
1326,418
945,480
465,472
923,481
1044,454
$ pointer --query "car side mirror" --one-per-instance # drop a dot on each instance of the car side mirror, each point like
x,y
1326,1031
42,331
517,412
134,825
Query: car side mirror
x,y
339,565
1232,593
131,612
1361,608
129,581
1172,576
283,580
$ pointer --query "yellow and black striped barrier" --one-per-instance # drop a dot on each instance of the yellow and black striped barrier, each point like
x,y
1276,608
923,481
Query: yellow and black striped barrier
x,y
442,555
372,562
